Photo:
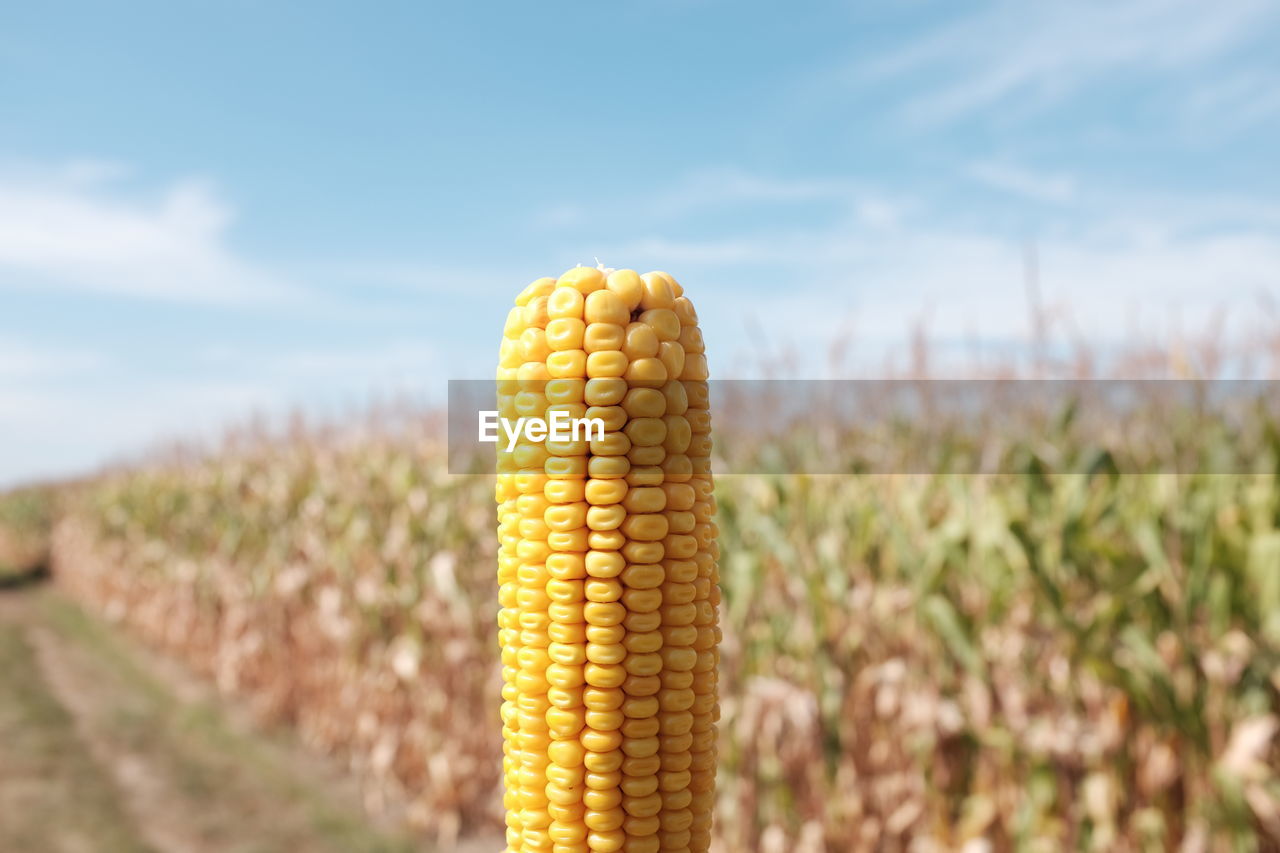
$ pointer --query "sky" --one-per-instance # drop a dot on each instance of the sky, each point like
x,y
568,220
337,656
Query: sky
x,y
210,210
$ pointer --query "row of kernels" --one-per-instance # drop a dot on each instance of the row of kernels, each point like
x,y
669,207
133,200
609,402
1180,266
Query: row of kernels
x,y
595,358
607,733
534,818
704,710
584,692
510,359
686,811
566,567
646,528
690,631
564,783
650,291
612,399
682,818
508,637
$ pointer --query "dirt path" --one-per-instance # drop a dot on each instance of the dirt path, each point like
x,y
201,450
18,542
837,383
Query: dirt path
x,y
100,753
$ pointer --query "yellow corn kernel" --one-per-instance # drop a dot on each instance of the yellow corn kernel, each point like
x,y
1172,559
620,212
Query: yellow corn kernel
x,y
604,800
602,337
646,372
567,364
566,333
614,418
565,304
611,444
671,354
539,287
609,364
583,279
603,564
604,306
644,475
644,403
640,340
535,313
563,491
658,292
562,391
608,467
627,285
646,432
603,762
604,492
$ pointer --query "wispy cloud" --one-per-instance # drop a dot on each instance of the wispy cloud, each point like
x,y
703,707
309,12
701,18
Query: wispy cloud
x,y
23,360
969,286
1108,263
82,420
76,228
63,434
416,275
704,192
1232,103
725,186
408,362
1019,181
1044,51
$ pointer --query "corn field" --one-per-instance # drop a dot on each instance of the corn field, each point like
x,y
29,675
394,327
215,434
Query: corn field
x,y
25,518
1023,660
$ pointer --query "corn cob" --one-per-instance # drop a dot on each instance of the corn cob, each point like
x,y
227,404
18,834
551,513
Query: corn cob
x,y
607,571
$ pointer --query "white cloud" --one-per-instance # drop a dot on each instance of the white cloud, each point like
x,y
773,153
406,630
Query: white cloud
x,y
723,186
1037,186
76,173
397,362
700,192
1047,50
23,360
1231,103
76,426
74,228
64,434
1109,268
420,276
820,257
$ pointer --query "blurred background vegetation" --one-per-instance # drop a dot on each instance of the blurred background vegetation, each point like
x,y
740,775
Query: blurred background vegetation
x,y
26,520
1053,656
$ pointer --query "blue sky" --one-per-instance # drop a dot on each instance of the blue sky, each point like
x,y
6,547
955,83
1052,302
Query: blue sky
x,y
212,209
